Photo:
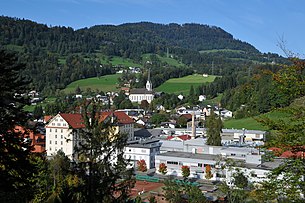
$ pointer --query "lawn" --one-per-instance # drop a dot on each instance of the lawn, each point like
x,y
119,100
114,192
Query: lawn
x,y
105,83
183,85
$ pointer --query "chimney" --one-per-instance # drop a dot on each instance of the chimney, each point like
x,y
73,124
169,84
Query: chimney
x,y
193,126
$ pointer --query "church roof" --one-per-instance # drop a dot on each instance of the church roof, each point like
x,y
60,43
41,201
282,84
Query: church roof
x,y
141,91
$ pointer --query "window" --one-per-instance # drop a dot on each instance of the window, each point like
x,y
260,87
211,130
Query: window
x,y
143,150
61,142
55,136
200,164
56,130
62,130
172,162
50,141
50,149
61,136
55,142
58,124
50,130
53,124
233,154
61,120
64,124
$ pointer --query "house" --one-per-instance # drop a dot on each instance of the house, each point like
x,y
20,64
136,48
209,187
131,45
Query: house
x,y
121,122
140,94
142,150
180,96
167,125
202,98
38,141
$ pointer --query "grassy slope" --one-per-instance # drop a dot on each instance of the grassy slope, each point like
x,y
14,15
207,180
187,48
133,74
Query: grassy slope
x,y
30,108
183,85
251,123
169,61
104,83
116,60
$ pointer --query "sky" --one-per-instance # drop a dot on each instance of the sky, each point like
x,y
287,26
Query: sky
x,y
263,23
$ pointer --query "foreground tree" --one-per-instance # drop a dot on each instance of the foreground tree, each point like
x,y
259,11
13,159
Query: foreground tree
x,y
100,163
286,183
185,172
182,193
214,127
16,167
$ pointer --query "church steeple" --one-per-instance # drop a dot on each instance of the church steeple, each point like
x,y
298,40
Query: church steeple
x,y
148,83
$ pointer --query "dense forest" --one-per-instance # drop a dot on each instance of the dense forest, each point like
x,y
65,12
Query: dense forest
x,y
56,56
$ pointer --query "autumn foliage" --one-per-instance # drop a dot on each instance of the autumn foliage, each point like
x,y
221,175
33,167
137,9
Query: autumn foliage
x,y
142,165
185,171
163,168
208,172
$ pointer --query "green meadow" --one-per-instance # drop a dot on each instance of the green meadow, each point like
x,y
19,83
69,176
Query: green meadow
x,y
183,85
169,61
252,124
104,83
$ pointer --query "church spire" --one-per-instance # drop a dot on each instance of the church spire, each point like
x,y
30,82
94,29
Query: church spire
x,y
148,83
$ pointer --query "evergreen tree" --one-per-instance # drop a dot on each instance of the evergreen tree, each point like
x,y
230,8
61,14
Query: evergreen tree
x,y
100,163
16,167
38,112
214,127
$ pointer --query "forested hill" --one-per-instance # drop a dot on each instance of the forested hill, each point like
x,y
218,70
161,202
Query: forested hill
x,y
56,56
190,36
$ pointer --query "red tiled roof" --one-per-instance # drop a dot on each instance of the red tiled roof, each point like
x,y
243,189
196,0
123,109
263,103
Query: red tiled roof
x,y
287,154
185,137
38,147
169,137
47,118
121,117
76,121
188,116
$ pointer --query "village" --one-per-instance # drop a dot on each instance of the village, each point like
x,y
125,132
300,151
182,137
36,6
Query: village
x,y
160,151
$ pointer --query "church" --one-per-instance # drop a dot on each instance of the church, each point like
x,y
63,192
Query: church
x,y
139,94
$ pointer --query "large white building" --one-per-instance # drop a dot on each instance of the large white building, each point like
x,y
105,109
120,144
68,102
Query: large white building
x,y
198,163
140,94
62,131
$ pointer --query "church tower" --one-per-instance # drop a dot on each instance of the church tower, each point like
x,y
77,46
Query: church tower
x,y
148,83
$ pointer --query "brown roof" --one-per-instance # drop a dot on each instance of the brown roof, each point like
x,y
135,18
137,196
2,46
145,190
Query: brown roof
x,y
76,121
187,116
121,117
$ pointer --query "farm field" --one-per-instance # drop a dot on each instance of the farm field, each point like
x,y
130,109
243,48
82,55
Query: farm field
x,y
104,83
183,85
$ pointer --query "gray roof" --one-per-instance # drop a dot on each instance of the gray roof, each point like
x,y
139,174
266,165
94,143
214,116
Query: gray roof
x,y
224,130
146,133
190,155
141,91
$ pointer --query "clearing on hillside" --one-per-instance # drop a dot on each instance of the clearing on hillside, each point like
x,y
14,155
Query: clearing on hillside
x,y
104,83
183,85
